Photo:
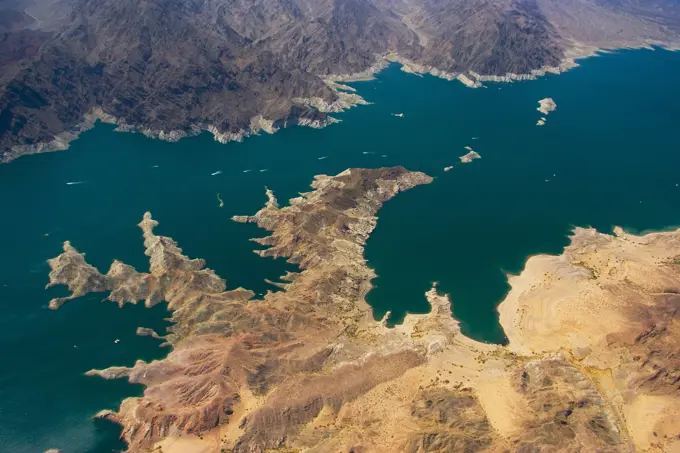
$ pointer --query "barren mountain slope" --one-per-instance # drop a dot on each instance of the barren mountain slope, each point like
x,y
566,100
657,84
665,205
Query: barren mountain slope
x,y
160,65
170,68
307,369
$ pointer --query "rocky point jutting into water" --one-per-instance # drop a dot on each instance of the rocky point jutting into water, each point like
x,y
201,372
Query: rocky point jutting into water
x,y
307,369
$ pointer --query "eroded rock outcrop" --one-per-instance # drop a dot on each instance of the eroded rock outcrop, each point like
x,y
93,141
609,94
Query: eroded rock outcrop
x,y
308,369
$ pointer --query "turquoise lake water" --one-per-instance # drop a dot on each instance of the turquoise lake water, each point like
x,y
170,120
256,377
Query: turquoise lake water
x,y
609,155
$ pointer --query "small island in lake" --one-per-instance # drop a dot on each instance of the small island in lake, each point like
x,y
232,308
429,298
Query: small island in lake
x,y
545,106
470,156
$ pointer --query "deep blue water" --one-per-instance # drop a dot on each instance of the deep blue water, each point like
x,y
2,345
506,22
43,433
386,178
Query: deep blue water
x,y
609,155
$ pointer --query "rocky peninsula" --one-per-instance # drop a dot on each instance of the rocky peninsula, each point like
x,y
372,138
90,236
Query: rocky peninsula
x,y
309,369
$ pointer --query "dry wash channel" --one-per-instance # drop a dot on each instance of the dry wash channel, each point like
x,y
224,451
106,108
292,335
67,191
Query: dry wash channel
x,y
307,369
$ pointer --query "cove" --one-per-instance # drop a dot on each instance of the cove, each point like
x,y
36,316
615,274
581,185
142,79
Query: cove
x,y
607,156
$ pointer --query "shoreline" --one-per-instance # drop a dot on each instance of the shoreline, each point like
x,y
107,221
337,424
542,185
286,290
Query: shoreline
x,y
472,79
513,394
258,124
346,99
578,238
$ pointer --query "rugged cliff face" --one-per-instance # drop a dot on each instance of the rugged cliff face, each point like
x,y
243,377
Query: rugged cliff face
x,y
308,369
487,37
170,68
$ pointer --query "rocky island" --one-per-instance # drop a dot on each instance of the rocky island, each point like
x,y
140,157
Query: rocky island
x,y
545,106
470,156
308,369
